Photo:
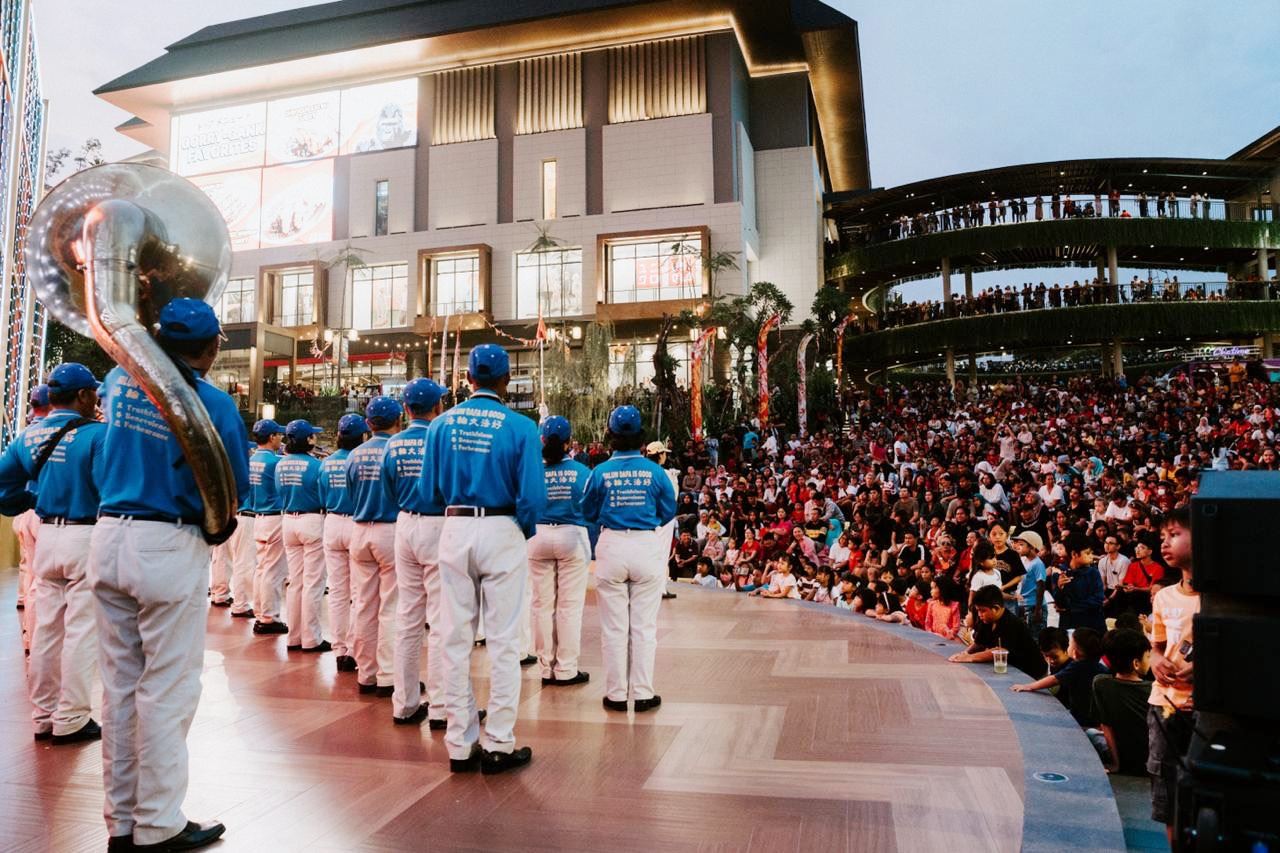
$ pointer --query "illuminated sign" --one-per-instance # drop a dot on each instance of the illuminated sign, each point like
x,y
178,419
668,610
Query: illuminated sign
x,y
220,140
674,272
297,204
302,128
380,117
238,197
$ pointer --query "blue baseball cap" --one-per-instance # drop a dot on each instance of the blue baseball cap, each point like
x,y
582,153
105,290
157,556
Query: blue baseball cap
x,y
352,425
625,420
70,377
39,396
301,429
266,428
186,319
488,361
423,393
383,409
556,427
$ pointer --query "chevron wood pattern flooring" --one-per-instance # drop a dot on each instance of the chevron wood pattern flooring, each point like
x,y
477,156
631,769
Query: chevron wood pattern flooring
x,y
782,729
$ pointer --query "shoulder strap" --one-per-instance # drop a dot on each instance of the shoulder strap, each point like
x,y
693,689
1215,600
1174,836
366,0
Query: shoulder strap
x,y
51,444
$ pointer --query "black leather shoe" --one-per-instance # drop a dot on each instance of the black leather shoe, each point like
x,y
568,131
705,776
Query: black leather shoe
x,y
480,642
580,678
384,691
501,762
367,688
120,843
270,628
194,836
613,705
226,602
346,663
667,595
242,614
322,646
643,705
296,648
441,725
470,764
413,719
89,731
529,661
44,735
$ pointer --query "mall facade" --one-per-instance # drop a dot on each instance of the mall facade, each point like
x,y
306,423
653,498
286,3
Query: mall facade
x,y
394,172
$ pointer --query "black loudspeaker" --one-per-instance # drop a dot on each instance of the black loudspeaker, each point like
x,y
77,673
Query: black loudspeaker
x,y
1235,519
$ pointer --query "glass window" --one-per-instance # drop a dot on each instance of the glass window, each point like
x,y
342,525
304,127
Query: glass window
x,y
632,364
549,189
239,302
552,280
456,289
381,207
667,267
380,296
296,292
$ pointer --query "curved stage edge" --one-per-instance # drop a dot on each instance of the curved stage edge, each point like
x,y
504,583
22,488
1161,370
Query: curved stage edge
x,y
784,726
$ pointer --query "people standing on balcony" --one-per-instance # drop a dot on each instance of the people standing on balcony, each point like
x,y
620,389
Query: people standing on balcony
x,y
1113,199
1057,206
1195,205
1142,204
1173,204
1039,208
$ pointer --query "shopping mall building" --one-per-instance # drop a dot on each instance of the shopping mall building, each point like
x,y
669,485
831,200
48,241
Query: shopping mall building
x,y
392,169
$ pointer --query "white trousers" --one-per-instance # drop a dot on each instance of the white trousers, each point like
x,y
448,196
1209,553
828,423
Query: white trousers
x,y
482,556
337,558
26,528
244,561
220,571
64,648
558,557
303,537
149,587
418,588
631,572
373,593
272,570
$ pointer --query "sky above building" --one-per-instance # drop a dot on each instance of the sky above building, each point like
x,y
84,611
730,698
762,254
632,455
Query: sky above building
x,y
950,85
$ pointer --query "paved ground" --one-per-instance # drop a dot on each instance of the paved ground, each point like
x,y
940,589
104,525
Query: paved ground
x,y
1133,796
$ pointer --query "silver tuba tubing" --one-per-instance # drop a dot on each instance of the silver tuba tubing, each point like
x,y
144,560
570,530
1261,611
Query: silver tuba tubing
x,y
107,249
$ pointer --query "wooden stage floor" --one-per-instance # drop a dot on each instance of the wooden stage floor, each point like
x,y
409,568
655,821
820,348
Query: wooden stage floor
x,y
782,728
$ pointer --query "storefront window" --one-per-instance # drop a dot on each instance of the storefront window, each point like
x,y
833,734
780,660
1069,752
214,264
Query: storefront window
x,y
631,364
669,267
239,302
296,295
456,288
552,280
380,296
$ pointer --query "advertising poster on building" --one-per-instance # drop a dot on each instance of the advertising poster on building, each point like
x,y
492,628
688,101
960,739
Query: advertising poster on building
x,y
297,204
238,197
302,128
380,117
220,140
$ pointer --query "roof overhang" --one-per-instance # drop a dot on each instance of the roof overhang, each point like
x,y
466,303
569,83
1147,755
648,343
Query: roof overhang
x,y
362,40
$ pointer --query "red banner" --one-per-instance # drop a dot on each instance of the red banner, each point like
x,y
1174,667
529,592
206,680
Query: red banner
x,y
695,381
802,395
762,367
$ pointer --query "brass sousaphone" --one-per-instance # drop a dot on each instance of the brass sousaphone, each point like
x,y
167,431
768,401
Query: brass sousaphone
x,y
106,250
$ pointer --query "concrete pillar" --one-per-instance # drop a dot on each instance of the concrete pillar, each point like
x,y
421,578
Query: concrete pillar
x,y
946,282
968,284
951,367
1113,266
1117,359
1268,345
1106,362
1102,268
1263,263
973,369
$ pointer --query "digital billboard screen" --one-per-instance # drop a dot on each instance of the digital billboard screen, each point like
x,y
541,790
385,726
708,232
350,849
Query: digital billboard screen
x,y
297,203
220,140
302,128
380,117
238,197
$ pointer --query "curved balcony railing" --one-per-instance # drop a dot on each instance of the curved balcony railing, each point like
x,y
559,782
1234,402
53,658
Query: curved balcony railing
x,y
1144,320
1194,242
1006,300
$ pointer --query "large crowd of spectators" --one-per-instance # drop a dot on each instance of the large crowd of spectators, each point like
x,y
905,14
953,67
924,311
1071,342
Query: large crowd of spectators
x,y
1002,519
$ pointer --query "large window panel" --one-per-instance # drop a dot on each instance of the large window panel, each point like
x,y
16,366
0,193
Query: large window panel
x,y
631,364
456,285
296,298
552,280
380,297
239,302
655,269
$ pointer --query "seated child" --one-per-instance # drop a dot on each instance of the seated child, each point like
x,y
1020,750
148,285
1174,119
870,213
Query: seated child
x,y
1120,701
1075,680
942,615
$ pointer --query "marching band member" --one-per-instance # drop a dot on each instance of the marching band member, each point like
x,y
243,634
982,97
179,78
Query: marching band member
x,y
338,507
26,527
264,503
302,532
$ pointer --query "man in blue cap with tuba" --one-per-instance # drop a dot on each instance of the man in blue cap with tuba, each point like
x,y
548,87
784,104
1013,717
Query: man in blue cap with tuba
x,y
149,565
487,475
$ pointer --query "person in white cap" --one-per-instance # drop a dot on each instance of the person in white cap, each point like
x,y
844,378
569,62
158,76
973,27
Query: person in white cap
x,y
302,531
633,501
558,557
657,452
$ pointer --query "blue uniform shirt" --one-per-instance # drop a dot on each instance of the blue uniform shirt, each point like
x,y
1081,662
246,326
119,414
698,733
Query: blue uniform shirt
x,y
144,472
369,495
629,492
66,487
483,454
403,466
566,482
263,497
298,483
334,493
